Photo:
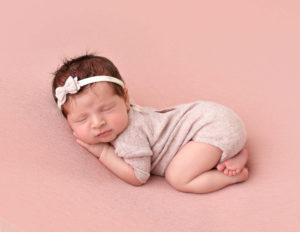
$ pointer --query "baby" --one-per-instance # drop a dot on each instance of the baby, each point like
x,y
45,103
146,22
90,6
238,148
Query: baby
x,y
198,147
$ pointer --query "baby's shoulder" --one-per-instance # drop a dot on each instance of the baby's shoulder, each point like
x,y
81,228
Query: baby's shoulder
x,y
138,117
137,125
135,134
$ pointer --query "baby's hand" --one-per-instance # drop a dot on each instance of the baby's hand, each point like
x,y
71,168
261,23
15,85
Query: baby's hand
x,y
95,149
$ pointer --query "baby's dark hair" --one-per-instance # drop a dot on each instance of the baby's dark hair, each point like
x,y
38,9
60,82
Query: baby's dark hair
x,y
83,67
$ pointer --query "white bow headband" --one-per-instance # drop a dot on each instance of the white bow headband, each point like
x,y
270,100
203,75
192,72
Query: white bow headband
x,y
72,86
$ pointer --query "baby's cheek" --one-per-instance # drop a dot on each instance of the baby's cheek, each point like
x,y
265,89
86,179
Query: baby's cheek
x,y
81,133
120,121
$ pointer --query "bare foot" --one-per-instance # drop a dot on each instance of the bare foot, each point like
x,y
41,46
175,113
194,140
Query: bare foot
x,y
234,165
243,176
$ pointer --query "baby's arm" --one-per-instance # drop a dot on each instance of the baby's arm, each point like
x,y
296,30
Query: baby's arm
x,y
106,154
118,166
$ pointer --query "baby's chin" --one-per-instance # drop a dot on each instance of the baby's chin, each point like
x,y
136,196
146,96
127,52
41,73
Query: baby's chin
x,y
97,141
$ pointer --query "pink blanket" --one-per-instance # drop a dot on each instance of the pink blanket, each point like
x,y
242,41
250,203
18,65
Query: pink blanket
x,y
242,54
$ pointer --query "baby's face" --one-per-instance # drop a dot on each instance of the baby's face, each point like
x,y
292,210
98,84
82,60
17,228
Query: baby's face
x,y
97,115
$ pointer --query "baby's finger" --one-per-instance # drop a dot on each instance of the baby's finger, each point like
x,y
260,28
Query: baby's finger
x,y
83,144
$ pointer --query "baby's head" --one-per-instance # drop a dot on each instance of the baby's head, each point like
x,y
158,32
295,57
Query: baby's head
x,y
91,94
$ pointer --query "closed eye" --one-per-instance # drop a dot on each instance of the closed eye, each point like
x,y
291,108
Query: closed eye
x,y
81,119
108,108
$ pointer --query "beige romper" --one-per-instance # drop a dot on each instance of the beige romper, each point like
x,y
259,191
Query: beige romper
x,y
153,137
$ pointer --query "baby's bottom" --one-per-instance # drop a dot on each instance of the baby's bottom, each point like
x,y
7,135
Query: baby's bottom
x,y
192,170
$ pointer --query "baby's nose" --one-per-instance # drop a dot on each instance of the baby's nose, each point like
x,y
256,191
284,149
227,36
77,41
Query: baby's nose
x,y
98,122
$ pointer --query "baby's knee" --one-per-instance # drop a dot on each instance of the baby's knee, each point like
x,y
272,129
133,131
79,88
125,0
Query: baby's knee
x,y
176,181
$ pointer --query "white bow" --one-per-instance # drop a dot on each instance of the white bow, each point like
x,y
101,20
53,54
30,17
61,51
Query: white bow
x,y
71,86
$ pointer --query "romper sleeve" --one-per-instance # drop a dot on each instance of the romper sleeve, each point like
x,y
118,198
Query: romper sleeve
x,y
139,158
133,146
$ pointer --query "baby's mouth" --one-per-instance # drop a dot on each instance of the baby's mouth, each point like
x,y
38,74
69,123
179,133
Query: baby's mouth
x,y
104,133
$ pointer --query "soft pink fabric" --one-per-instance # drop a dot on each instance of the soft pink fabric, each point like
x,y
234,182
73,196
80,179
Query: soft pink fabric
x,y
5,227
242,54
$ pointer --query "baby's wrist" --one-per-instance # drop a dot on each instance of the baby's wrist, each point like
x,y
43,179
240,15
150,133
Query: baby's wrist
x,y
104,151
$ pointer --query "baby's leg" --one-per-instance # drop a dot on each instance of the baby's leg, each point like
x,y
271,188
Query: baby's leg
x,y
191,170
234,165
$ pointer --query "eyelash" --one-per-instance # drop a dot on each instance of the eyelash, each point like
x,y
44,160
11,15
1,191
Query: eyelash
x,y
101,110
81,120
107,109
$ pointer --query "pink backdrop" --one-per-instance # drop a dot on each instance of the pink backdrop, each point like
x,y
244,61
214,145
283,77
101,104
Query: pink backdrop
x,y
243,54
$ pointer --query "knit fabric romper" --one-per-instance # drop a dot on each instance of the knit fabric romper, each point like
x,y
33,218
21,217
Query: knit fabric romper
x,y
153,137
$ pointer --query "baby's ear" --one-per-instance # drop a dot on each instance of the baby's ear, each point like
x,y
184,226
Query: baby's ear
x,y
127,101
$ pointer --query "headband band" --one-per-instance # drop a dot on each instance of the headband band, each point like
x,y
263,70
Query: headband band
x,y
72,86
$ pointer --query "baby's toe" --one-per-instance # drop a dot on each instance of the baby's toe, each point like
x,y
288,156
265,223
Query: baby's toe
x,y
227,172
221,167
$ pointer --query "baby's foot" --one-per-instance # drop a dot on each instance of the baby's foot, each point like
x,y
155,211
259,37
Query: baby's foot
x,y
242,176
234,165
